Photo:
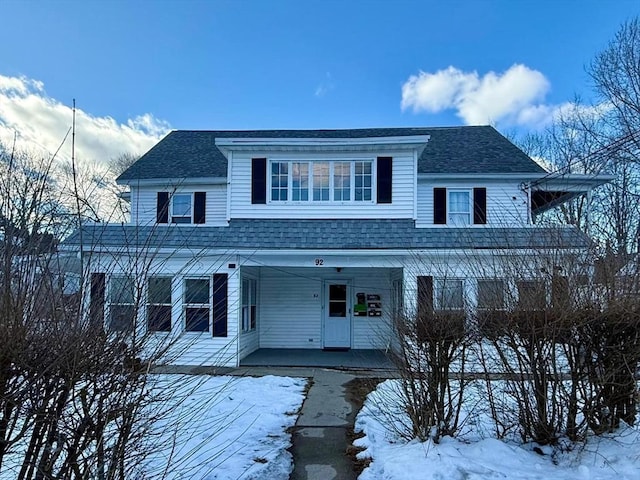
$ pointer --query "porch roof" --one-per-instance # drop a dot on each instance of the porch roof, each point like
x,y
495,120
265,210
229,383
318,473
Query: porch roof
x,y
268,234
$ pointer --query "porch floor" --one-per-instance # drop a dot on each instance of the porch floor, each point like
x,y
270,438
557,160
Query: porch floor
x,y
302,357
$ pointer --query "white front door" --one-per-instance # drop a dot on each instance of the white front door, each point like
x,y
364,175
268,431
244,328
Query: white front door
x,y
337,314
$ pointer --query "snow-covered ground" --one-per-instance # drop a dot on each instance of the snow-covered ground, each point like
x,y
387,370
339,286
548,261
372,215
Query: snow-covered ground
x,y
225,427
475,455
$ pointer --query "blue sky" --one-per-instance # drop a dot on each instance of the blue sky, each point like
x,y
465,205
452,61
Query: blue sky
x,y
138,68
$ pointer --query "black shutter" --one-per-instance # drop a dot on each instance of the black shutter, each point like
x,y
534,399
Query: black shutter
x,y
96,298
258,180
162,209
425,297
384,179
220,305
199,207
480,206
440,206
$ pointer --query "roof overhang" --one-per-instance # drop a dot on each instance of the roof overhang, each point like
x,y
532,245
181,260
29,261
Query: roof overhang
x,y
552,190
407,142
172,183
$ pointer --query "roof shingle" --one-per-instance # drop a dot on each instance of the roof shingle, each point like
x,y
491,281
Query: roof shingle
x,y
325,234
468,149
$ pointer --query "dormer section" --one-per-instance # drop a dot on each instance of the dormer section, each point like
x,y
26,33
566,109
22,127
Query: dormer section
x,y
310,178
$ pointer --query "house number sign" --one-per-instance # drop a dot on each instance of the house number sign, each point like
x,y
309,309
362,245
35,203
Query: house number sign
x,y
319,262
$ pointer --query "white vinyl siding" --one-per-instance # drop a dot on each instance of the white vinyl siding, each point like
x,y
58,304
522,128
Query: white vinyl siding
x,y
144,203
198,348
506,202
403,189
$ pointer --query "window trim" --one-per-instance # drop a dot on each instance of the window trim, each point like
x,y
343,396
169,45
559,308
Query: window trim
x,y
332,189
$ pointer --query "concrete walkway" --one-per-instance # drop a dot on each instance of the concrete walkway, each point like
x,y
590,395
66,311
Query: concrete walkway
x,y
320,435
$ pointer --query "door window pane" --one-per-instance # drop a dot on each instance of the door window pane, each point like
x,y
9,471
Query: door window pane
x,y
337,300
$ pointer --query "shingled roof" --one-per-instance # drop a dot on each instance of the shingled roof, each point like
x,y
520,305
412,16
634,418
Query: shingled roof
x,y
385,234
471,150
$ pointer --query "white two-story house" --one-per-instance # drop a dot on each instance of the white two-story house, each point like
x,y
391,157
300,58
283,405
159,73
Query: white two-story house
x,y
314,239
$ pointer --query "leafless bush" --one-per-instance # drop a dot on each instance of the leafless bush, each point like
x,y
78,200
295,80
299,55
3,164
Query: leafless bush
x,y
430,345
75,397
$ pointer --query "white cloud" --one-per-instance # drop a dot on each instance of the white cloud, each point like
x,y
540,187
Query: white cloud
x,y
42,121
325,86
514,97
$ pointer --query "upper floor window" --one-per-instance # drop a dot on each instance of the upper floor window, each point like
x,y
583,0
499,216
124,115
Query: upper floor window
x,y
319,181
181,207
181,210
459,207
456,206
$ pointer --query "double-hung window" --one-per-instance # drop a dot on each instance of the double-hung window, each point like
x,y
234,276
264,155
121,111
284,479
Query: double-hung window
x,y
363,182
181,208
121,303
197,304
532,295
299,181
322,181
249,304
159,304
459,207
184,207
449,294
279,181
491,294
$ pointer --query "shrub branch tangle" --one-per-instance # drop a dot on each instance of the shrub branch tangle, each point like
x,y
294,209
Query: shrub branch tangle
x,y
75,399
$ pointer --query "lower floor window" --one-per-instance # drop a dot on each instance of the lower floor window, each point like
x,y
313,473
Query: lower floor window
x,y
121,303
449,294
491,294
197,304
532,295
249,304
159,304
